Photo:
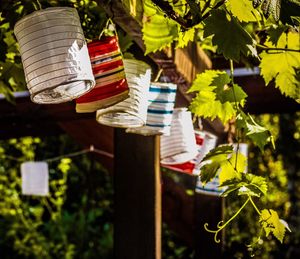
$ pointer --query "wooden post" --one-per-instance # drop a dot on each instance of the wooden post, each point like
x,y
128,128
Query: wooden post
x,y
208,209
137,187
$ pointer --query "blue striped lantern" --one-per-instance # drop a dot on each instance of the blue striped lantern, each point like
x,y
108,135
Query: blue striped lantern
x,y
160,110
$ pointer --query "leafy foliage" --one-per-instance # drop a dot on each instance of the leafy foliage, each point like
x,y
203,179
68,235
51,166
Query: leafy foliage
x,y
280,65
215,98
228,33
259,134
232,168
243,10
154,23
271,224
213,161
35,227
246,184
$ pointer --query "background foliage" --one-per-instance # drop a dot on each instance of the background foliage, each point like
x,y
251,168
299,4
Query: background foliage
x,y
74,221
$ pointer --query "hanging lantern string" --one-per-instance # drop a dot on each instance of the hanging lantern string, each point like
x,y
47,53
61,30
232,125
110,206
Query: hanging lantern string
x,y
92,149
158,75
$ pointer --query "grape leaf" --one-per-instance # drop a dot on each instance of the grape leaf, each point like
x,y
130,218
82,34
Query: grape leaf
x,y
272,224
247,184
184,37
213,161
228,170
257,182
243,10
214,97
158,31
229,36
281,65
232,94
260,135
275,32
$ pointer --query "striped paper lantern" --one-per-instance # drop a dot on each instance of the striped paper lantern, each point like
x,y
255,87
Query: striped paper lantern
x,y
160,110
131,112
180,146
35,178
54,55
188,167
111,85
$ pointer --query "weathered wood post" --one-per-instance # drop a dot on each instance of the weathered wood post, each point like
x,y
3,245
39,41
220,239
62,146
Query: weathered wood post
x,y
137,198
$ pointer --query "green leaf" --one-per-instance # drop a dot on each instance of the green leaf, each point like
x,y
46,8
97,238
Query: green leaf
x,y
213,161
260,135
158,31
215,98
281,65
231,169
245,184
256,183
243,10
229,36
232,94
205,80
275,33
271,224
185,37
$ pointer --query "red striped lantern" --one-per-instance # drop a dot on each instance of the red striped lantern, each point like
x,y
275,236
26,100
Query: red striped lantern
x,y
108,69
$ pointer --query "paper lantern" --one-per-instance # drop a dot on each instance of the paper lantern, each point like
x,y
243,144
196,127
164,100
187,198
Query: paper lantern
x,y
54,55
181,145
111,85
35,177
131,112
188,167
160,110
209,143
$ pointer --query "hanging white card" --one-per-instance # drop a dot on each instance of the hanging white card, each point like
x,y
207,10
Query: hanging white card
x,y
35,178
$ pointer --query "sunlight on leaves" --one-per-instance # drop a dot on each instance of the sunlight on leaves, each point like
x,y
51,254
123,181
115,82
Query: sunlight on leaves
x,y
271,224
280,65
215,98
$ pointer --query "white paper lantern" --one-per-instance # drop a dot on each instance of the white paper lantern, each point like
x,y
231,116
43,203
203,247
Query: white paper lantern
x,y
54,55
181,145
160,110
131,112
35,177
188,167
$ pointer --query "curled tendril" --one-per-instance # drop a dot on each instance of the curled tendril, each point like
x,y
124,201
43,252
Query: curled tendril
x,y
216,232
221,225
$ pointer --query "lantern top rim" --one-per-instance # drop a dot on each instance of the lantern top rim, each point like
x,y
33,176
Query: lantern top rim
x,y
42,12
